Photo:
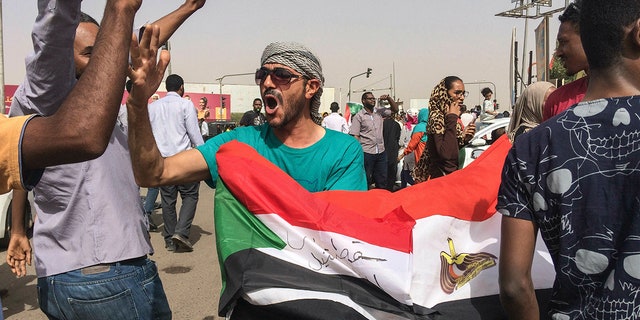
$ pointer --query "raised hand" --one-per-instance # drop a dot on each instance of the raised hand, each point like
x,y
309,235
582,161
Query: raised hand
x,y
454,108
196,3
145,71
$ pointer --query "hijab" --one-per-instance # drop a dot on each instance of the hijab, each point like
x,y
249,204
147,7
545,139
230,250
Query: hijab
x,y
528,110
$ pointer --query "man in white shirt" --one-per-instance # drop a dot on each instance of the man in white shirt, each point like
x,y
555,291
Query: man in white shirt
x,y
174,122
335,121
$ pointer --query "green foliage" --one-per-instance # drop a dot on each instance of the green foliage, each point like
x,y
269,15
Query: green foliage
x,y
558,71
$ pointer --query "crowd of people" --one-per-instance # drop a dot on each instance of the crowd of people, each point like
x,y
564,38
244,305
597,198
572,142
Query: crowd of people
x,y
571,174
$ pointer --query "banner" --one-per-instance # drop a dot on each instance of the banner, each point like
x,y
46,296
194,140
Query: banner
x,y
542,50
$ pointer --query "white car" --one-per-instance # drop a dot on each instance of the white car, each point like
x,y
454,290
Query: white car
x,y
482,139
5,217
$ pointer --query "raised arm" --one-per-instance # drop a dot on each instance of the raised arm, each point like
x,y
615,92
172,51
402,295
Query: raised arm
x,y
193,129
393,105
171,22
149,167
81,128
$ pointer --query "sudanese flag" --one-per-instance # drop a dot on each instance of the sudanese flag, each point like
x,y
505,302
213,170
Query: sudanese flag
x,y
427,251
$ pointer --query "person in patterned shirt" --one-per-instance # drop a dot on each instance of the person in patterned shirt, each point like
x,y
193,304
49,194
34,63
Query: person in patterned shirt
x,y
575,180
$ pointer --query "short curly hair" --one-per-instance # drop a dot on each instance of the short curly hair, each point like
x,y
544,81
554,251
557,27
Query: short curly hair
x,y
572,14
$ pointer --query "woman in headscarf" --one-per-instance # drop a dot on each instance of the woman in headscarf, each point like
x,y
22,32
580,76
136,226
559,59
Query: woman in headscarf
x,y
444,132
418,136
528,110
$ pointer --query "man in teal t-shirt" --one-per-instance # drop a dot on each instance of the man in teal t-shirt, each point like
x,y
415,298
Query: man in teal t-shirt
x,y
290,80
332,163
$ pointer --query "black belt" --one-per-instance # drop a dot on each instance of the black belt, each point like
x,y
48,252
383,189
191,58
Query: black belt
x,y
104,267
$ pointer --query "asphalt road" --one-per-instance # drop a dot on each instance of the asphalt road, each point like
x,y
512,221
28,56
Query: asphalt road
x,y
191,279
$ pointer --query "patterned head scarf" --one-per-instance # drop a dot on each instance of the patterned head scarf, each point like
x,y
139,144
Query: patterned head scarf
x,y
303,61
528,110
439,103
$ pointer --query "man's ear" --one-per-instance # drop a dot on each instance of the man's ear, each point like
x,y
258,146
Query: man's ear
x,y
634,35
313,85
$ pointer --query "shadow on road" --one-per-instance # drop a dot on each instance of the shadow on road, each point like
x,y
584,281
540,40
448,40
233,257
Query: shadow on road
x,y
21,293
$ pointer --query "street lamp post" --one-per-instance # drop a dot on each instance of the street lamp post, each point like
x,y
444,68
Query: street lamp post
x,y
368,73
220,85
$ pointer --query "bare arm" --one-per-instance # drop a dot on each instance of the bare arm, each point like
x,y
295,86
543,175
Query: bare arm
x,y
149,167
19,250
171,22
81,128
517,245
393,105
193,128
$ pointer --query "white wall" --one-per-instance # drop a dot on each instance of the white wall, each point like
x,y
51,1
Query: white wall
x,y
419,103
242,95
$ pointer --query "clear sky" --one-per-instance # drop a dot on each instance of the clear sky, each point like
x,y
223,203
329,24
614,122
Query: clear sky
x,y
426,40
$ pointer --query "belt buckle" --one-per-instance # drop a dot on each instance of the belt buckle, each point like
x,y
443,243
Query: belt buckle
x,y
100,268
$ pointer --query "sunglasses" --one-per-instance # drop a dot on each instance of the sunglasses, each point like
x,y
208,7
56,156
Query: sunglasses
x,y
461,93
279,76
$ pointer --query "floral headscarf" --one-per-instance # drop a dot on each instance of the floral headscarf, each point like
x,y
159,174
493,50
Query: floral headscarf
x,y
439,106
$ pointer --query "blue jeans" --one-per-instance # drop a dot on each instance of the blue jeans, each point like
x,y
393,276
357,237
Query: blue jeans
x,y
375,165
150,200
124,290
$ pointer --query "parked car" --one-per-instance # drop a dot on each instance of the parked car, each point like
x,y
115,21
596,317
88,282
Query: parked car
x,y
481,140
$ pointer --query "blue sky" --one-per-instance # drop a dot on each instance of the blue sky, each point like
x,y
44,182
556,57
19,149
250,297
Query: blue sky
x,y
425,40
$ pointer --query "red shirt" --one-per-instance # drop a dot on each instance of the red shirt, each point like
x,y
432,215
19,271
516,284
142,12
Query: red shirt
x,y
564,97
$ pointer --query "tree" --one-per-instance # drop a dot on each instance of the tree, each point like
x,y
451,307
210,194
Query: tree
x,y
559,72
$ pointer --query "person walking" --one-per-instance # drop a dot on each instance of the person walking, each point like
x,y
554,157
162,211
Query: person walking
x,y
174,122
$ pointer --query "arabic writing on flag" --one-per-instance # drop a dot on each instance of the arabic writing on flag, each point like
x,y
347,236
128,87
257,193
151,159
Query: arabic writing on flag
x,y
426,250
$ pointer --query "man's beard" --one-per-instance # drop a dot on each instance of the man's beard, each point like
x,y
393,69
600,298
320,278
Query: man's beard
x,y
292,112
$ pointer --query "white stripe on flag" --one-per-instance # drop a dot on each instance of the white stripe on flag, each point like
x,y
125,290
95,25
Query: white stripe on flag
x,y
430,238
333,253
270,296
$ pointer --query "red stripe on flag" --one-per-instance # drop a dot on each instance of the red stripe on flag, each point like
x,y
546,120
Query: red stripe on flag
x,y
266,189
347,114
468,194
376,216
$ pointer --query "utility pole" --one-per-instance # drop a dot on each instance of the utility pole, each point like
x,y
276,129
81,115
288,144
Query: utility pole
x,y
222,104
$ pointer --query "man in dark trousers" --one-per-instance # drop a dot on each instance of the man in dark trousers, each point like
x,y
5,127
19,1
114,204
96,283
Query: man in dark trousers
x,y
391,134
174,122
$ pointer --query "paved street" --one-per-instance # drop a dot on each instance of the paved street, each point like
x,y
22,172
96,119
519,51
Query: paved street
x,y
191,279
